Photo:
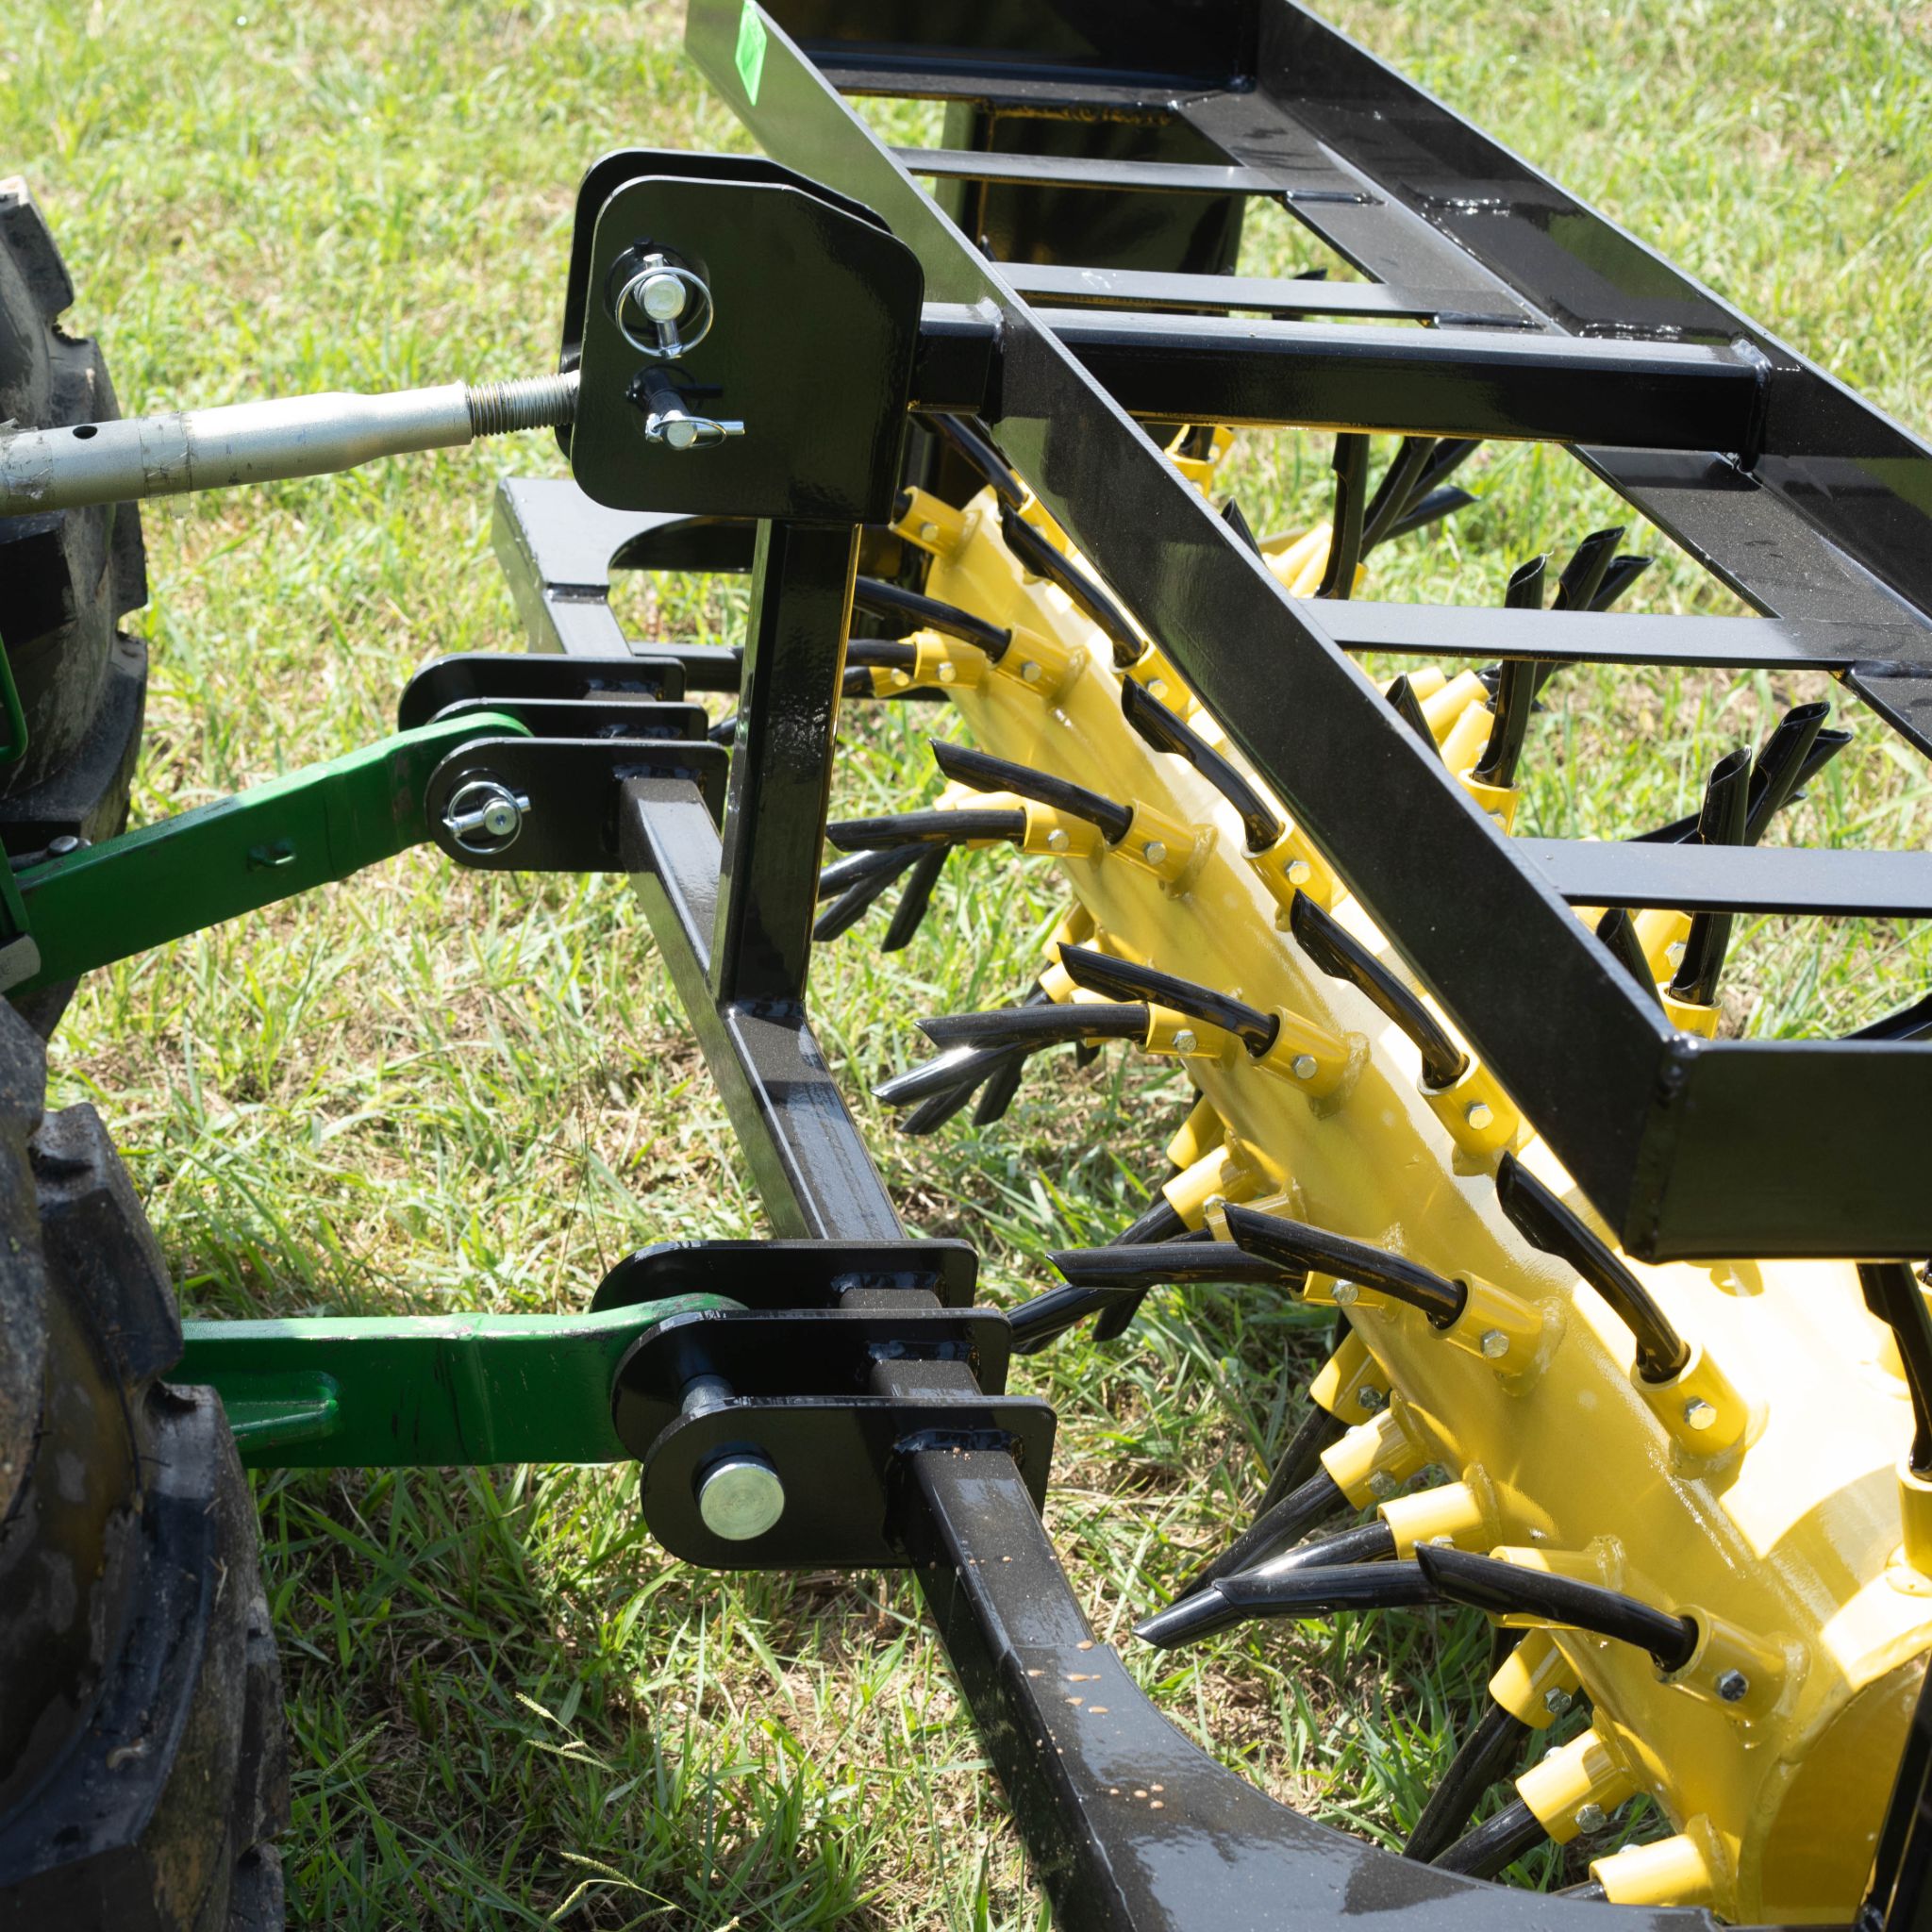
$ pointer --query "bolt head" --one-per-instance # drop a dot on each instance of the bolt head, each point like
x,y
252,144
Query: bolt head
x,y
1495,1344
1733,1687
1214,1204
928,533
1031,673
741,1497
1304,1066
501,819
1298,872
61,846
1556,1700
662,296
1479,1114
948,674
1056,839
901,679
1698,1413
1591,1817
1157,687
1154,852
1370,1399
1184,1040
1381,1485
1345,1293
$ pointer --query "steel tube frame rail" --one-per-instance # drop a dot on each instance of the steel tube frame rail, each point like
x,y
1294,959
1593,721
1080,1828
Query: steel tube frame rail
x,y
1690,1149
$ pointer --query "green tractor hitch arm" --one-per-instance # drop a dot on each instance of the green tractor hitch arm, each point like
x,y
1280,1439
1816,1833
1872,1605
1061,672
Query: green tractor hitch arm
x,y
89,908
384,1391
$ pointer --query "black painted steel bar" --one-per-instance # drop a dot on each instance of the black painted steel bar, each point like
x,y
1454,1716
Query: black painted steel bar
x,y
1456,382
1126,288
1824,881
781,761
1741,643
809,1160
1160,177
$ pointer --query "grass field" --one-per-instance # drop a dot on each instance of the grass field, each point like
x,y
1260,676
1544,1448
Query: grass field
x,y
435,1090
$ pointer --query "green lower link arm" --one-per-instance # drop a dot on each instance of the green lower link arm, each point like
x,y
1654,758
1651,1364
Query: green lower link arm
x,y
389,1391
124,895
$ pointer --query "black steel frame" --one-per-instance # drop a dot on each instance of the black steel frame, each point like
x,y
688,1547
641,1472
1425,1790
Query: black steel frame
x,y
1546,321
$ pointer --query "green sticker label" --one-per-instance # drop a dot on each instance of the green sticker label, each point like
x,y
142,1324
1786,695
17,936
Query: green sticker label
x,y
751,50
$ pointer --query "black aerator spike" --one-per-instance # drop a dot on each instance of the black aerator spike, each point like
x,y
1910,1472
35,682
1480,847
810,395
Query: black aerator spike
x,y
1618,931
859,899
1401,693
881,654
1910,1023
1037,1025
1166,731
1303,1508
1545,1222
1517,681
1341,956
1345,526
1312,1592
1797,750
1231,515
1725,813
1313,1249
1894,1295
1622,572
1488,1583
925,613
910,914
1124,979
1481,1761
1396,491
1038,558
1048,1316
1301,1459
924,828
964,766
1495,1844
1583,576
976,449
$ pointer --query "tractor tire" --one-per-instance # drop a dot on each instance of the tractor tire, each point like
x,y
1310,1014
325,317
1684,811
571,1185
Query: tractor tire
x,y
67,577
142,1767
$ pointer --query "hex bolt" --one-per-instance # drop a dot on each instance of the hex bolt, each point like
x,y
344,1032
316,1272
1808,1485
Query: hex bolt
x,y
1298,872
1370,1399
1345,1293
1381,1485
1304,1066
1480,1115
1184,1040
66,843
1495,1344
484,816
1557,1700
741,1495
1733,1687
1698,1413
1591,1817
928,533
1154,852
1213,1203
948,674
1029,671
1056,840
